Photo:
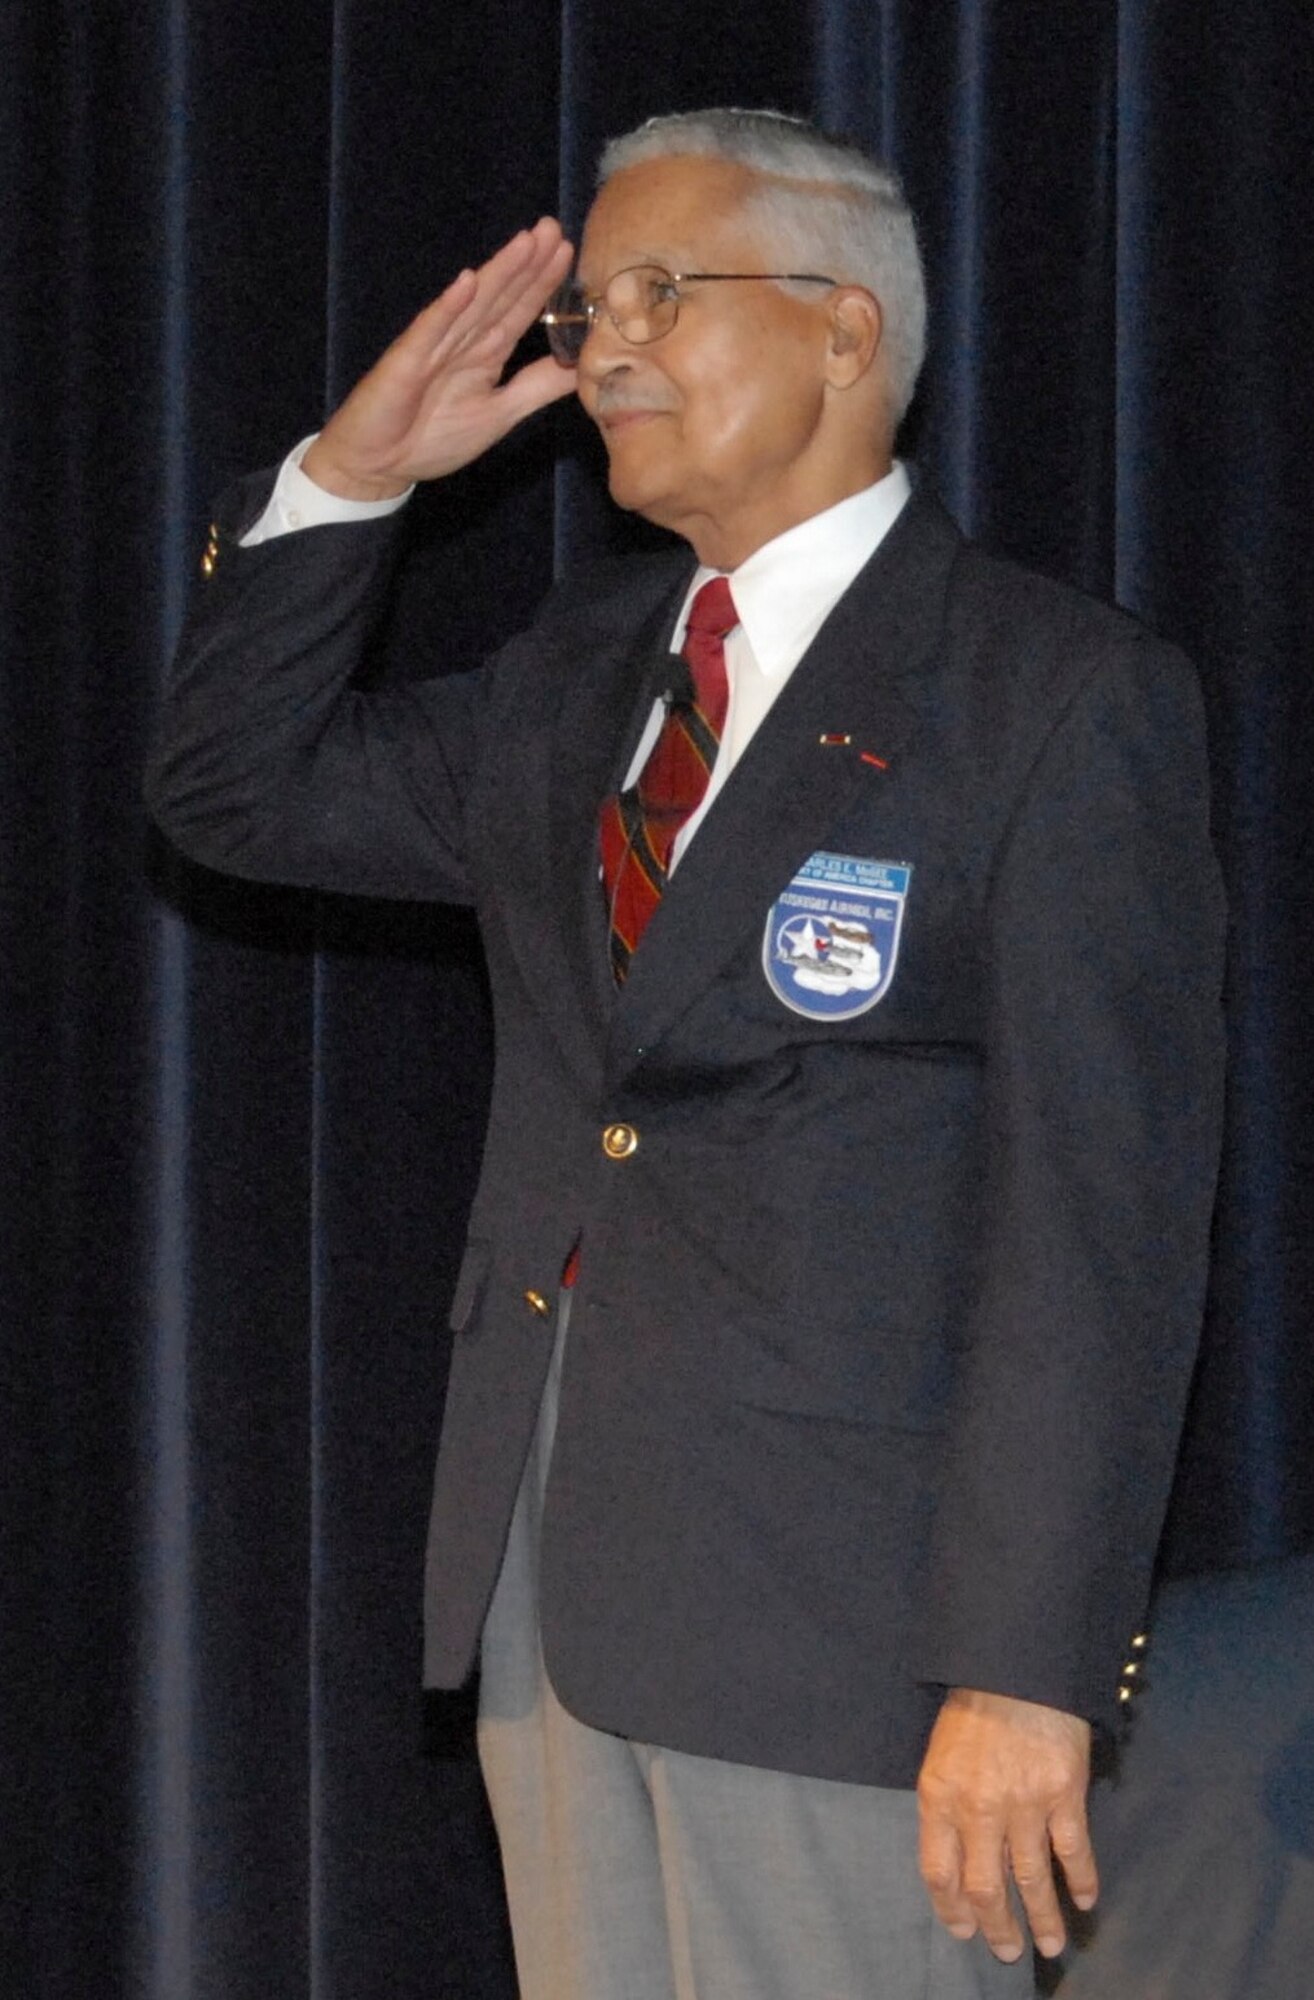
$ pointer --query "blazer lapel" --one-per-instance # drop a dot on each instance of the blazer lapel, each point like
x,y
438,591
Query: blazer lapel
x,y
558,927
791,785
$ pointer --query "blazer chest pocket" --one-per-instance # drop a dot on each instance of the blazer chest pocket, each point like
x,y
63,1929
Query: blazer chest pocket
x,y
471,1281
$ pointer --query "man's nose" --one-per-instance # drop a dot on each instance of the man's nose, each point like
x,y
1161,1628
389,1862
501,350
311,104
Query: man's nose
x,y
604,350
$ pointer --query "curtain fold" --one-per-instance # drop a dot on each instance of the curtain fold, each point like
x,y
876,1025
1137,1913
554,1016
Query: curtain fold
x,y
240,1126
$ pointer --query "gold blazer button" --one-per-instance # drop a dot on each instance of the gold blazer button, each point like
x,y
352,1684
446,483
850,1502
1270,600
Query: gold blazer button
x,y
619,1141
538,1303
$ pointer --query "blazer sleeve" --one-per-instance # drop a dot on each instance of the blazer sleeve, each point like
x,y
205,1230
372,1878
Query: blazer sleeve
x,y
1103,1105
270,763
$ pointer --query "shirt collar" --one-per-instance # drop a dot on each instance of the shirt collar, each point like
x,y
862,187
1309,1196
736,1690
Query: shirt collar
x,y
785,589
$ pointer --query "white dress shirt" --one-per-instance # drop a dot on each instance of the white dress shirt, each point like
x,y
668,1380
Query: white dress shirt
x,y
783,593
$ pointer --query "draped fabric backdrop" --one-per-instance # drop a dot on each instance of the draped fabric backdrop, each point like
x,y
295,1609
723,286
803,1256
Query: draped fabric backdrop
x,y
240,1127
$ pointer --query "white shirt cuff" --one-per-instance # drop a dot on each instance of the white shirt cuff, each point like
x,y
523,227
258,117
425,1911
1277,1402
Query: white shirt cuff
x,y
297,502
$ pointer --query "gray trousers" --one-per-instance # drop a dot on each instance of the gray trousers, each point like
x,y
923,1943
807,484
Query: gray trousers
x,y
639,1873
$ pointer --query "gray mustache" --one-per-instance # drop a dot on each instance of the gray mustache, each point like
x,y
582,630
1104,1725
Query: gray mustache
x,y
625,404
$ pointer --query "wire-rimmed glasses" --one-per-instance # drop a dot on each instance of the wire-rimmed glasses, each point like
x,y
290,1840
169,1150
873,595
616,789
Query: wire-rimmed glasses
x,y
642,302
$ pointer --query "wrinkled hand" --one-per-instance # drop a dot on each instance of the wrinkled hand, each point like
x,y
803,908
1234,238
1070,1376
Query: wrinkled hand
x,y
436,400
1003,1789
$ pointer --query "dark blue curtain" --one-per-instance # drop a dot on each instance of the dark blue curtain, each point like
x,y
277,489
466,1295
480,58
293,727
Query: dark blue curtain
x,y
240,1127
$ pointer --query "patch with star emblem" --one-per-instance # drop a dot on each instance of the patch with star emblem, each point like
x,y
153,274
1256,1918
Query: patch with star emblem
x,y
832,938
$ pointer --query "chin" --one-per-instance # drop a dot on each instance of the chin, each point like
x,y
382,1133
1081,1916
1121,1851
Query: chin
x,y
637,494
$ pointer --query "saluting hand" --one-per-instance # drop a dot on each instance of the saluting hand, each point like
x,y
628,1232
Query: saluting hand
x,y
436,400
1003,1791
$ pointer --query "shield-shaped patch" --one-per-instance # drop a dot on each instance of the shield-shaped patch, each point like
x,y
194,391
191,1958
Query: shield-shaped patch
x,y
832,937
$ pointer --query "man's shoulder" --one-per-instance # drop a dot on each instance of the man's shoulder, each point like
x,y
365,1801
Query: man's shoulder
x,y
1045,633
601,618
989,585
1006,650
614,592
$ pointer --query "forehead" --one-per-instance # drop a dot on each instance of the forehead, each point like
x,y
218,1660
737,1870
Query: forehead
x,y
685,212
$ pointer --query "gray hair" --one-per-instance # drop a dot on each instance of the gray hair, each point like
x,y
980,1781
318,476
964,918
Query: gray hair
x,y
826,204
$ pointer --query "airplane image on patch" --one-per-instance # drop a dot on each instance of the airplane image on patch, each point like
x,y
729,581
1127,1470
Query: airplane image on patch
x,y
832,938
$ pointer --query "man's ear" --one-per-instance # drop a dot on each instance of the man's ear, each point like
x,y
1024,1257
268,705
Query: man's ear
x,y
855,335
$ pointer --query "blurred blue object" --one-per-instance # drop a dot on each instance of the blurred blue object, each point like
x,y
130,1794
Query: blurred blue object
x,y
1205,1831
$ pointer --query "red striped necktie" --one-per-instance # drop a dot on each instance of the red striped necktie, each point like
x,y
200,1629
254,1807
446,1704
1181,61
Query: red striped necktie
x,y
638,826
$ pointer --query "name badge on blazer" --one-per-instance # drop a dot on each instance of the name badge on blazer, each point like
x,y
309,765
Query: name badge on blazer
x,y
832,939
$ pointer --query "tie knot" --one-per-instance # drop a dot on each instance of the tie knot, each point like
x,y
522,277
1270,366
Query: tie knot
x,y
712,613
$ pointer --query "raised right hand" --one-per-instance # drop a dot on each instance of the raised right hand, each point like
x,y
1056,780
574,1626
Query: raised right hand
x,y
436,399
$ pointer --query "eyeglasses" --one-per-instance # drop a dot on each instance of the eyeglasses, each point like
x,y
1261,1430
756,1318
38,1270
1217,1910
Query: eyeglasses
x,y
642,303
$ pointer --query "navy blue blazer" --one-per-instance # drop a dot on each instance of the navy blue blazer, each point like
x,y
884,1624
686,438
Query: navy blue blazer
x,y
886,1318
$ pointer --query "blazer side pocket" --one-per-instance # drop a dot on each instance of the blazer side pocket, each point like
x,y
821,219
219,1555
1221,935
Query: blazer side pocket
x,y
470,1283
847,1370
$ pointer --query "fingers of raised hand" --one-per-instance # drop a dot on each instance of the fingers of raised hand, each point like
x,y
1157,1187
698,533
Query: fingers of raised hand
x,y
436,400
533,387
516,307
486,311
543,264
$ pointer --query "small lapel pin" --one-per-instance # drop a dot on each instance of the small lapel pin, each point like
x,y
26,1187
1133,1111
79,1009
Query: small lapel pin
x,y
837,740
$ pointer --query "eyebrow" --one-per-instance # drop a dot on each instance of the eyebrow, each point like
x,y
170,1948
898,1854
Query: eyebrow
x,y
663,258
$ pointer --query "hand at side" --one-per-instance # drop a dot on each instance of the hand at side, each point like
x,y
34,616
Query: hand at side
x,y
1002,1791
435,399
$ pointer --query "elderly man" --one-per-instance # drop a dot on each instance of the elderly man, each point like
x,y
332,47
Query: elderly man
x,y
834,1277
